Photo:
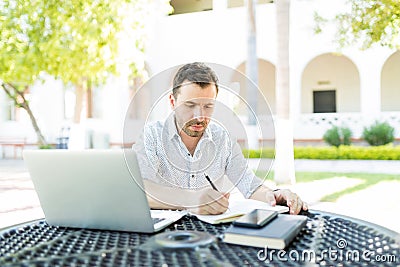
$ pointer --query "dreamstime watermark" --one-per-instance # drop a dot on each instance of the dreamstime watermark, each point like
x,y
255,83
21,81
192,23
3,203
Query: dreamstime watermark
x,y
339,254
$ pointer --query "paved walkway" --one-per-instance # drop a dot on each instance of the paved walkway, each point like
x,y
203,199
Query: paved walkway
x,y
18,199
377,204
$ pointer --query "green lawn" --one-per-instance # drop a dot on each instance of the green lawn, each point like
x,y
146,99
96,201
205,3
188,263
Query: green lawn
x,y
368,179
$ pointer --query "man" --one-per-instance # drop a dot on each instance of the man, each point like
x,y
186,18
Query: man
x,y
183,159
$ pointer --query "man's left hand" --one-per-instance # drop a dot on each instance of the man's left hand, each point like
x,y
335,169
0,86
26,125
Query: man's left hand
x,y
280,197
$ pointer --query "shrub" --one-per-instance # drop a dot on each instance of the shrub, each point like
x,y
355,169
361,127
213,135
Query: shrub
x,y
337,136
316,153
386,152
378,134
259,153
251,153
46,146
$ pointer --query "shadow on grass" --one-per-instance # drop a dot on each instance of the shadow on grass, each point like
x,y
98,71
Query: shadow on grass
x,y
367,180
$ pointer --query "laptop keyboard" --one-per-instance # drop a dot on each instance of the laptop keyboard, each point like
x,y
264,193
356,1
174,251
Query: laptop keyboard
x,y
157,220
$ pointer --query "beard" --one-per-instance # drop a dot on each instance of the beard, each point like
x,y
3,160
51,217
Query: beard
x,y
187,130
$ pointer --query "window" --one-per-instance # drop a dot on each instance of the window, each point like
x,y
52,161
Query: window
x,y
10,110
324,101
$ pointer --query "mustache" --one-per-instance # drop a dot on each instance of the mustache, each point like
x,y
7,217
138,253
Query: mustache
x,y
196,122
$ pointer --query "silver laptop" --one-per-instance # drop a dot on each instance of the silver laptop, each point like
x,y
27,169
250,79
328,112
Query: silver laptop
x,y
99,189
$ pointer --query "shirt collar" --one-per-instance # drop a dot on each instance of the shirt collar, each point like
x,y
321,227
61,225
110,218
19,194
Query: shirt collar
x,y
172,131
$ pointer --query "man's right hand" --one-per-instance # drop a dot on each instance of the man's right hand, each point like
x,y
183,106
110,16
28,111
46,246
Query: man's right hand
x,y
211,202
203,201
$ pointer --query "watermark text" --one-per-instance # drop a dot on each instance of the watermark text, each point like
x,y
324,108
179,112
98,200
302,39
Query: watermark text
x,y
340,254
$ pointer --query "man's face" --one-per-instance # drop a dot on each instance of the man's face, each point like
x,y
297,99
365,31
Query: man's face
x,y
193,107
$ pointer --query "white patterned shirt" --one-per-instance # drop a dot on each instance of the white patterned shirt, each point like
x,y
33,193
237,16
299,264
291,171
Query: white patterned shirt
x,y
163,158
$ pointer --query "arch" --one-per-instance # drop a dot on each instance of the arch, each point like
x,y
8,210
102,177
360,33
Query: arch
x,y
189,6
390,83
335,73
266,81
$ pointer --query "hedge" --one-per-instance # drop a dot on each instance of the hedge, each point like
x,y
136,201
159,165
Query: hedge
x,y
385,152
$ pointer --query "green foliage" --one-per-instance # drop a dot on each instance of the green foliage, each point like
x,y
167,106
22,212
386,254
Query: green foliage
x,y
337,136
73,40
48,146
77,41
385,152
379,133
368,22
316,153
259,153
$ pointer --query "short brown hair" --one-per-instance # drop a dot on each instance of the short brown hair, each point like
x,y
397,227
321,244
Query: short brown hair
x,y
198,73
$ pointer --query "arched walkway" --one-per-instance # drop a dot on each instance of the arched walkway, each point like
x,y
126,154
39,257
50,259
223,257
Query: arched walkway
x,y
266,82
330,83
390,83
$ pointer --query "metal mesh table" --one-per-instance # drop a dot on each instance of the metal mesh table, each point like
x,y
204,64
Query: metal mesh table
x,y
327,240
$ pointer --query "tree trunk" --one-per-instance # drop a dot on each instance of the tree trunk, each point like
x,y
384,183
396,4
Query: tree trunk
x,y
284,156
79,93
89,101
252,61
20,101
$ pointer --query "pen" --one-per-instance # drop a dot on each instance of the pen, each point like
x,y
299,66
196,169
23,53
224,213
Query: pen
x,y
211,183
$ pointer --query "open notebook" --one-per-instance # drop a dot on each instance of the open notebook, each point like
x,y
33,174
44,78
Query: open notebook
x,y
238,208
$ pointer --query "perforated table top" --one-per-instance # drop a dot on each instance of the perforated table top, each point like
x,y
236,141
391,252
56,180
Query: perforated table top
x,y
327,240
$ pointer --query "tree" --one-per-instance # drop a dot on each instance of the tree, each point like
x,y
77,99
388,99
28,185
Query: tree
x,y
252,61
366,23
284,156
77,41
20,61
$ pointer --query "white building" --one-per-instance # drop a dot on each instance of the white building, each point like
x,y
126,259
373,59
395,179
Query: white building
x,y
352,88
357,86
